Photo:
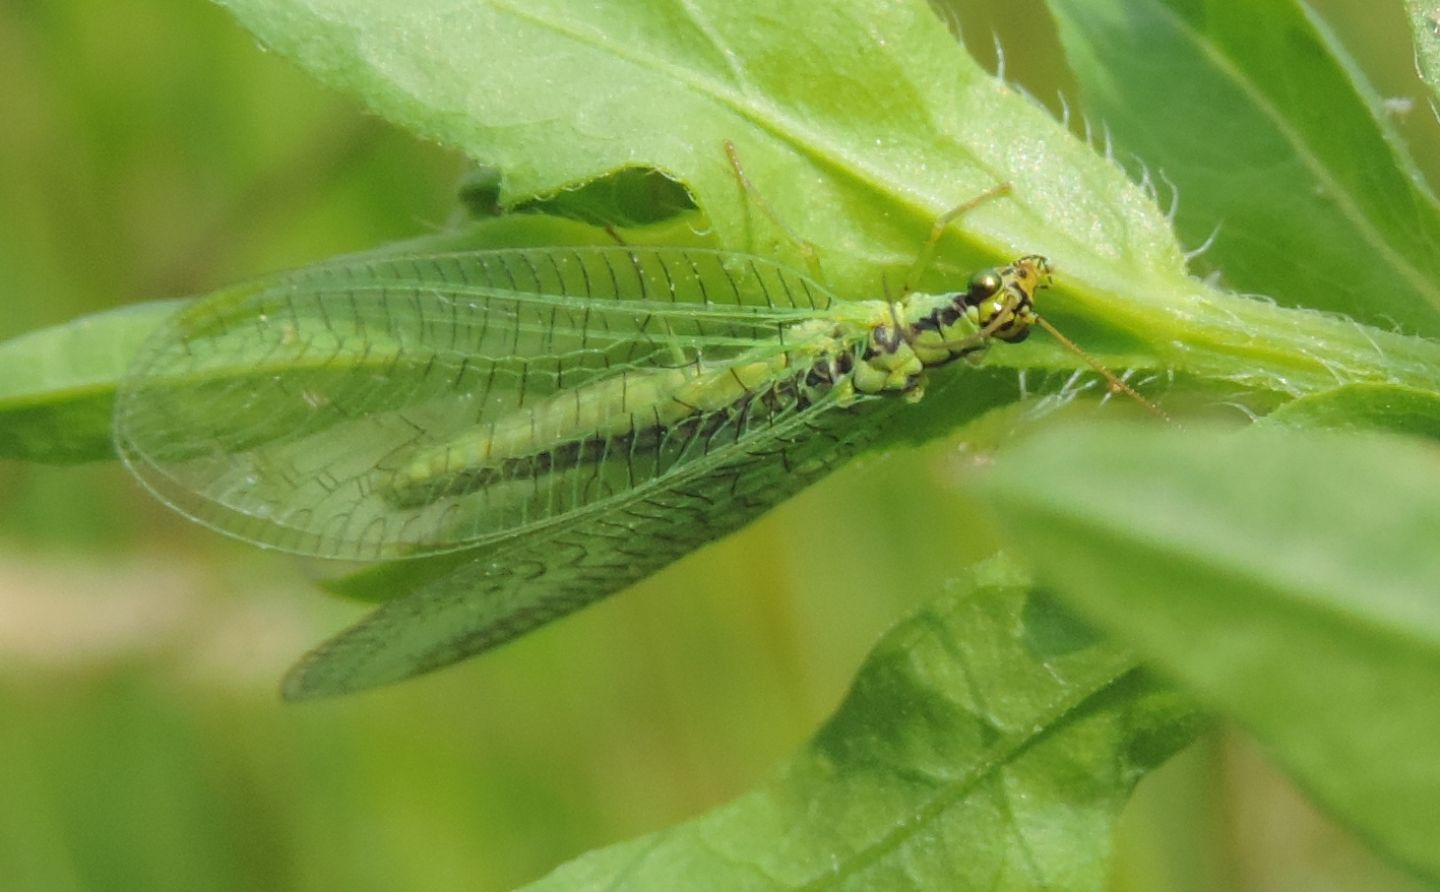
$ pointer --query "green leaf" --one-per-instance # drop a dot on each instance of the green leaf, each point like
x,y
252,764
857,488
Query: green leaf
x,y
858,143
860,123
863,180
57,385
1270,132
1425,23
1382,407
988,743
1289,579
631,196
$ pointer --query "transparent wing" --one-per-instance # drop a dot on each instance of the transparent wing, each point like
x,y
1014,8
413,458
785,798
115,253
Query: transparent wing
x,y
400,406
503,591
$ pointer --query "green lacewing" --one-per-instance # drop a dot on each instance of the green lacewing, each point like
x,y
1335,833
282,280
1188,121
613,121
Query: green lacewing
x,y
573,419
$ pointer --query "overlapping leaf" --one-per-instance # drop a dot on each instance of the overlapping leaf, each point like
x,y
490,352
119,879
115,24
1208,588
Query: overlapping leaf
x,y
1269,131
988,743
1290,579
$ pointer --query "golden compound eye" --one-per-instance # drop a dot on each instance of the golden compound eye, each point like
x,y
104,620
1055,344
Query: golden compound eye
x,y
982,285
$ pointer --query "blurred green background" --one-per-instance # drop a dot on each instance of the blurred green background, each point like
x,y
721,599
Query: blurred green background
x,y
152,149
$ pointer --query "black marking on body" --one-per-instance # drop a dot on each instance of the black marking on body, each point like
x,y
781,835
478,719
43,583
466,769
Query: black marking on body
x,y
886,338
942,318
